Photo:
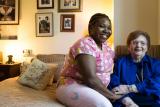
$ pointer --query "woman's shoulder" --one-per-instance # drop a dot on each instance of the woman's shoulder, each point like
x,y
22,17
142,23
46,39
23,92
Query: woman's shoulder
x,y
123,60
152,59
87,39
84,41
154,62
122,57
84,45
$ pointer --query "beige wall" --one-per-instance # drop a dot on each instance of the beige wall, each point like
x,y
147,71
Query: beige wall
x,y
61,41
131,15
158,21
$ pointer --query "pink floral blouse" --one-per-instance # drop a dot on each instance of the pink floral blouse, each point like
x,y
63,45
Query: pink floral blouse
x,y
104,60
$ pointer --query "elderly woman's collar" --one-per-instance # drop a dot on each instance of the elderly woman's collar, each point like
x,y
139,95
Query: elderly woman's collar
x,y
144,59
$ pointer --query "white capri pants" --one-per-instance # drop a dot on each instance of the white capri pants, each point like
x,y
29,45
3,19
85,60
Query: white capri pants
x,y
77,95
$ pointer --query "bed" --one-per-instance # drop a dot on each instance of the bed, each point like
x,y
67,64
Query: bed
x,y
14,94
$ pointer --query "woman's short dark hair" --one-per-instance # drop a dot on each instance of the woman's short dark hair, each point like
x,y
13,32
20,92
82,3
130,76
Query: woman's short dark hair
x,y
135,34
95,18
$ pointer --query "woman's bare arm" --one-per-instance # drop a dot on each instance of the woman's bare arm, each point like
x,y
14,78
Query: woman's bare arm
x,y
87,65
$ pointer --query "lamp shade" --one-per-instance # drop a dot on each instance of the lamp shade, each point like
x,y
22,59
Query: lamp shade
x,y
27,52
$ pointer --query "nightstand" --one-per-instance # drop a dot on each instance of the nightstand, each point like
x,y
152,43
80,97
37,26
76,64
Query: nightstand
x,y
9,70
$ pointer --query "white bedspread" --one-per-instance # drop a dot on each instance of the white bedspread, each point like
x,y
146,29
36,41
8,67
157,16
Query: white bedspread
x,y
13,94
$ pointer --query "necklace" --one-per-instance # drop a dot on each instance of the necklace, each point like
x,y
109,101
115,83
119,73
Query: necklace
x,y
140,79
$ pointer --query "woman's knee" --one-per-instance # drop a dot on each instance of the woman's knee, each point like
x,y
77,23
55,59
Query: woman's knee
x,y
81,96
105,103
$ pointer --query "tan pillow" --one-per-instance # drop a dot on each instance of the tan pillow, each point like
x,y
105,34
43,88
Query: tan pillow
x,y
53,68
37,75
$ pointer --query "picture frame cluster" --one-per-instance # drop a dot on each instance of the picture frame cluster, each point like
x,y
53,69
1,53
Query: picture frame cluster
x,y
44,21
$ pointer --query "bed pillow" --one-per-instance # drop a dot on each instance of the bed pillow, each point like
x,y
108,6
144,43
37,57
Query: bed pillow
x,y
53,68
37,75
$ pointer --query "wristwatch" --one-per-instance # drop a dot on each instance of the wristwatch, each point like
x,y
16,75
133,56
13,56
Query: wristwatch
x,y
132,88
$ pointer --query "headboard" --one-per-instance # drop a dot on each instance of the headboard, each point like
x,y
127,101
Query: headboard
x,y
154,51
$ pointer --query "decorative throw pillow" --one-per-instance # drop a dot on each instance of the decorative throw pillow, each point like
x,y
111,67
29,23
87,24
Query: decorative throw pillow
x,y
37,75
24,66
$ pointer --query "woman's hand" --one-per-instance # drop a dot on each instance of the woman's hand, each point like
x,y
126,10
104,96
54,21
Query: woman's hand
x,y
124,89
115,97
128,102
121,89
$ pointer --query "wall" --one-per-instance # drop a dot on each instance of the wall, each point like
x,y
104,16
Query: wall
x,y
131,15
158,21
61,41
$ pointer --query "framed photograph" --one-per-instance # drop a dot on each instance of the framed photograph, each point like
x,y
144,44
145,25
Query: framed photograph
x,y
45,4
69,5
67,23
9,12
44,24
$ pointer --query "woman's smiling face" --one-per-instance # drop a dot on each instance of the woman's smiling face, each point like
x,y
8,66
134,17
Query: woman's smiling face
x,y
138,47
101,30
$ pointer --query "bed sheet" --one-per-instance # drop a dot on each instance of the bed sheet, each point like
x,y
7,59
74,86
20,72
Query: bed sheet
x,y
13,94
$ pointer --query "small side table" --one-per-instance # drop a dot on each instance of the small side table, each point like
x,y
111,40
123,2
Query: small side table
x,y
9,70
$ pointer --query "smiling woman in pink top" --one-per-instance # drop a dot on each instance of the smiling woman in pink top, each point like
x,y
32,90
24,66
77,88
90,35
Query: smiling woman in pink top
x,y
86,72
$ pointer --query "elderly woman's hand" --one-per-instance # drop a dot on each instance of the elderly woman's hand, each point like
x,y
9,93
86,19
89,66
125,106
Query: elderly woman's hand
x,y
128,102
121,89
124,89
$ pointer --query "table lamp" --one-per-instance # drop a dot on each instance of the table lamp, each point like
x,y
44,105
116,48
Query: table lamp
x,y
27,54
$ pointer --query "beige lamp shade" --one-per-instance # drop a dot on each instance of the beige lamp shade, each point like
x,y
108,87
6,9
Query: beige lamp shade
x,y
27,52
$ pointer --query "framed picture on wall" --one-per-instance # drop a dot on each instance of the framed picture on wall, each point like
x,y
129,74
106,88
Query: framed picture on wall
x,y
67,23
44,24
9,12
45,4
69,5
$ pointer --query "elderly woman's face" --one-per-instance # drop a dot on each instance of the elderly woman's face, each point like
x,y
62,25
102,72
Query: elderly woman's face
x,y
138,47
101,31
